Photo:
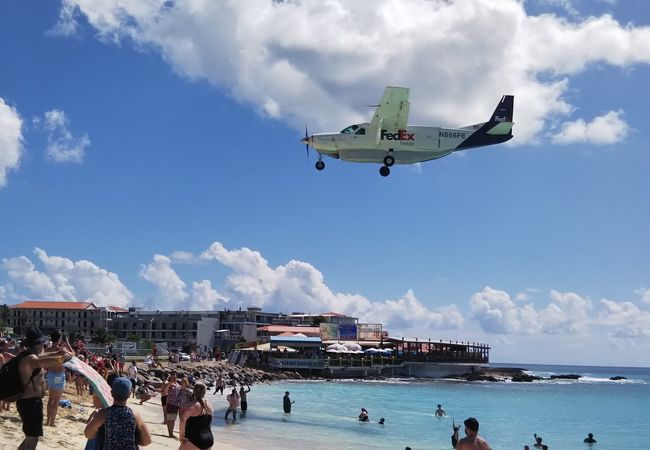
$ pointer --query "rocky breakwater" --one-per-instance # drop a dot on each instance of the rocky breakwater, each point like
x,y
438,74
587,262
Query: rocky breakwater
x,y
209,371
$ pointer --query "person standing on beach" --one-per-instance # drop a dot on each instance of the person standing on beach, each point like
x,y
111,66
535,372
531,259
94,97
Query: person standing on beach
x,y
194,430
440,412
172,404
286,403
124,429
472,441
30,368
133,376
55,378
243,399
163,394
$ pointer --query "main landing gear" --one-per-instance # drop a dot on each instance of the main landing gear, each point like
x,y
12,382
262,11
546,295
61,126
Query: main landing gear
x,y
320,165
384,170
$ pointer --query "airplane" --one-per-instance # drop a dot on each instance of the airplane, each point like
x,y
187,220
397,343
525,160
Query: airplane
x,y
389,140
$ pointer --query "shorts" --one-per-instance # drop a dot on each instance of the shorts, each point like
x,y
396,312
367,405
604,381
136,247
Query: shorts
x,y
244,405
171,416
55,380
163,400
133,382
31,413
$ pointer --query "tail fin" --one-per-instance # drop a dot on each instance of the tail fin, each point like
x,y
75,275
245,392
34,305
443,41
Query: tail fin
x,y
496,130
502,117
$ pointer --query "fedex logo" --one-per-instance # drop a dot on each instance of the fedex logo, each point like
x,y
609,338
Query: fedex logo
x,y
500,119
401,135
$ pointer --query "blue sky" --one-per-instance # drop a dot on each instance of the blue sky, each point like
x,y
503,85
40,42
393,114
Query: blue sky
x,y
149,156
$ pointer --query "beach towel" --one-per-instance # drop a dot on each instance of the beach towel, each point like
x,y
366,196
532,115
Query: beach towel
x,y
99,386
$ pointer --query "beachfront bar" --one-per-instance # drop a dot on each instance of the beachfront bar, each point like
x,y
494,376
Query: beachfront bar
x,y
439,351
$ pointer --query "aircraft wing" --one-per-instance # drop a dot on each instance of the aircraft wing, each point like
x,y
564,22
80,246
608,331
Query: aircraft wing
x,y
393,109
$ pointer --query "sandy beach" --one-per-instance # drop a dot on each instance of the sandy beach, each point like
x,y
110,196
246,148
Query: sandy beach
x,y
68,433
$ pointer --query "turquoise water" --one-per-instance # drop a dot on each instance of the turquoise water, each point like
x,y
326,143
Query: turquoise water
x,y
562,412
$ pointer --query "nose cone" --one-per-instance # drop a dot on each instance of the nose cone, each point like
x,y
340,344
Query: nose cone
x,y
304,140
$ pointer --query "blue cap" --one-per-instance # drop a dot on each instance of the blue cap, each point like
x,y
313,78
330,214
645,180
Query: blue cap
x,y
121,388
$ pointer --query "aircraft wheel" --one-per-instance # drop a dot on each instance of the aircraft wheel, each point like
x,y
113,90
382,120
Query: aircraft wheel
x,y
384,171
320,165
389,160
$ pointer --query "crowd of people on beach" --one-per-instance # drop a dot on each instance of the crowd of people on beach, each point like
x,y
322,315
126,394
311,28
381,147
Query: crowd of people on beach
x,y
34,366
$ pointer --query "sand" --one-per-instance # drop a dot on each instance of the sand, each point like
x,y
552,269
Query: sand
x,y
70,424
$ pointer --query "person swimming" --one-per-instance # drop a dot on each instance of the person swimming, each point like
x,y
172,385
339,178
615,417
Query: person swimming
x,y
590,439
381,421
363,415
440,412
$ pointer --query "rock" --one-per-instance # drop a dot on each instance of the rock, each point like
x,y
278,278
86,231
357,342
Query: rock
x,y
570,376
617,378
524,378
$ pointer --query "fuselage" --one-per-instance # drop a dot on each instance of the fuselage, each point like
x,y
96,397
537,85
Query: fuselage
x,y
363,143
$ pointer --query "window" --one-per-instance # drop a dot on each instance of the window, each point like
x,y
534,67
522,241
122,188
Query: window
x,y
62,314
350,130
164,326
62,323
174,326
361,132
92,324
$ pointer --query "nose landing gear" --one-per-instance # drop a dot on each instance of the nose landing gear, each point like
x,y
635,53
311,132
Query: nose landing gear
x,y
320,165
384,171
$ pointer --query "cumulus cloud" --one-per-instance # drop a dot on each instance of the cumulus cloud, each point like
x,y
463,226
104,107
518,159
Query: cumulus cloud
x,y
11,140
64,280
458,56
204,297
627,319
497,312
171,289
299,286
606,129
62,146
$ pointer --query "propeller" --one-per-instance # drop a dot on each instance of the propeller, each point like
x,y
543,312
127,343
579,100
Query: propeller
x,y
306,141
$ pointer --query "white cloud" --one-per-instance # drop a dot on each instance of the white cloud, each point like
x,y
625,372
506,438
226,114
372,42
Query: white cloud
x,y
64,280
67,24
458,56
496,312
606,129
62,146
644,294
299,286
627,319
11,140
171,288
204,297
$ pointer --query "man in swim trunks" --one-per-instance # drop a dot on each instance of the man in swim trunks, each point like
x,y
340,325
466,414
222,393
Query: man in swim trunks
x,y
30,367
472,441
440,412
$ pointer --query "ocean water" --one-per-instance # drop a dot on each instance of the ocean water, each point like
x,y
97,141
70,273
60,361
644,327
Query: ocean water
x,y
561,411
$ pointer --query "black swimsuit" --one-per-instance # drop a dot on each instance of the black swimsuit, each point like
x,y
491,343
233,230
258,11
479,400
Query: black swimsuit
x,y
198,432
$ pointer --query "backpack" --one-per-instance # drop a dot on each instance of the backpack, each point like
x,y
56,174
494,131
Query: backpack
x,y
172,398
11,385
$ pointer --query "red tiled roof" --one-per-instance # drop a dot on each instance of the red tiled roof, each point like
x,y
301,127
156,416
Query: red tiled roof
x,y
53,305
116,309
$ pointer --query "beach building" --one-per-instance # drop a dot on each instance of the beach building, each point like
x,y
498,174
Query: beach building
x,y
83,317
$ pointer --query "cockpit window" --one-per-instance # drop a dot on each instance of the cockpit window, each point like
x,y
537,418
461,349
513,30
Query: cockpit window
x,y
350,130
361,131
